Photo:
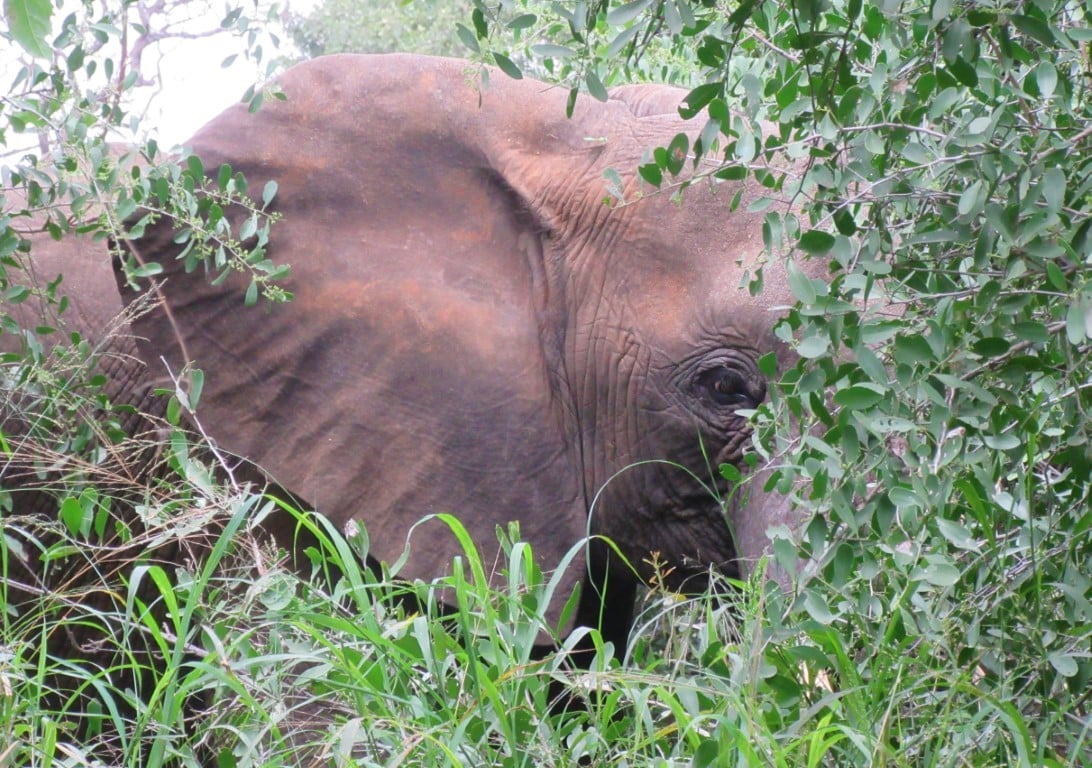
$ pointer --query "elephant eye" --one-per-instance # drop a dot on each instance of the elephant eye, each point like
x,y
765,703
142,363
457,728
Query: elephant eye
x,y
730,388
727,387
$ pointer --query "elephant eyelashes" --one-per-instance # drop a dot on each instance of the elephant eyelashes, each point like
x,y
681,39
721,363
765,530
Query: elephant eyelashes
x,y
726,387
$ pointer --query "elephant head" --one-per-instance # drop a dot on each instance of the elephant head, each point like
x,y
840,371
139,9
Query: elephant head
x,y
477,328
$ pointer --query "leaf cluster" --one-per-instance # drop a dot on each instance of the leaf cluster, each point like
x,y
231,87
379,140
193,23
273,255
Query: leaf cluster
x,y
343,26
936,429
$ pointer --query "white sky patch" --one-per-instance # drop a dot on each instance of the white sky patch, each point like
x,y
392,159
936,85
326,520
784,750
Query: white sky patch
x,y
193,86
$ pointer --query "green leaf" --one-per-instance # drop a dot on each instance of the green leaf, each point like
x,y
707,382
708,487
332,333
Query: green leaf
x,y
174,410
195,167
1002,223
800,284
991,346
1034,28
844,222
731,473
197,385
1057,277
816,242
17,294
551,51
467,37
72,516
885,424
1064,664
481,28
816,606
249,228
1077,318
523,21
732,173
707,755
1005,442
709,136
595,87
1054,189
149,269
1046,77
700,97
813,346
29,22
964,73
957,534
860,396
622,14
621,41
269,192
676,153
767,365
1031,331
651,173
972,199
941,574
507,66
614,183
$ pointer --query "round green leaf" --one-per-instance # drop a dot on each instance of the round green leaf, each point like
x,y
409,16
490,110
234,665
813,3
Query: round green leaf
x,y
956,534
860,396
1005,442
816,606
1046,77
1064,664
1054,188
800,284
813,346
816,242
971,200
991,346
941,574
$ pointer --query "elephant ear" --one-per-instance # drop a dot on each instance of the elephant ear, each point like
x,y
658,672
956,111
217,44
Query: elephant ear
x,y
418,368
649,99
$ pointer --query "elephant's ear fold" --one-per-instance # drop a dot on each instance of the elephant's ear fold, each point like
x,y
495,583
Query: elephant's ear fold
x,y
415,371
649,100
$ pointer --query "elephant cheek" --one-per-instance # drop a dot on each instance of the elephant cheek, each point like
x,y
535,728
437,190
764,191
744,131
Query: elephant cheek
x,y
733,450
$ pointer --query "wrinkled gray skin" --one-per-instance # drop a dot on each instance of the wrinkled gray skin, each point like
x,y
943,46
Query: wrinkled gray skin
x,y
476,332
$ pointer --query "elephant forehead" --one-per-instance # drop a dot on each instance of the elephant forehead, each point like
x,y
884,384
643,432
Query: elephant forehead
x,y
675,296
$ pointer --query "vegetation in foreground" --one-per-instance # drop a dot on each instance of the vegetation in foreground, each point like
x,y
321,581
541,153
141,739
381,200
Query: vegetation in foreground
x,y
942,615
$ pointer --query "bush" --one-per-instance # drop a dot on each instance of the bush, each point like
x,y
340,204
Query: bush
x,y
934,428
936,425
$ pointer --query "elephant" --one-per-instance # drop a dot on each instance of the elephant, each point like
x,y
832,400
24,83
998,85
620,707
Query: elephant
x,y
478,327
475,329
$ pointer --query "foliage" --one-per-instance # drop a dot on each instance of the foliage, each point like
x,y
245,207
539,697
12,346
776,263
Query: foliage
x,y
451,27
69,99
937,424
82,552
412,26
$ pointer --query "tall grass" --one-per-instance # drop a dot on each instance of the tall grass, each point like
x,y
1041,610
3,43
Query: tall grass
x,y
253,664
